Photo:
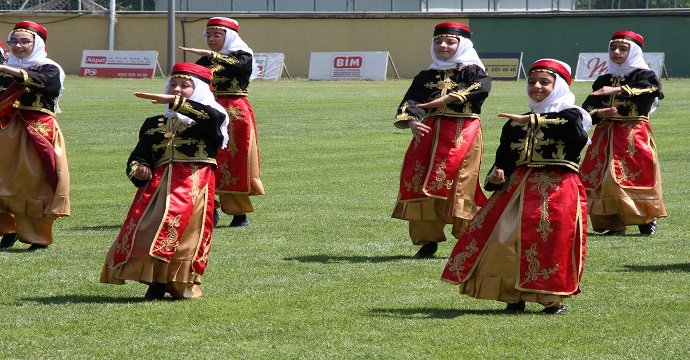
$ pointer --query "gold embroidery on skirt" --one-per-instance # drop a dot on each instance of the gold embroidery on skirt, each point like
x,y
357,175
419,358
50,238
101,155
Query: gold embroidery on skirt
x,y
416,184
534,270
170,243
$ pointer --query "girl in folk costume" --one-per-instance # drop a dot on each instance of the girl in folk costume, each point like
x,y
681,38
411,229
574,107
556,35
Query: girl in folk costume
x,y
233,67
166,238
439,181
528,242
34,178
620,170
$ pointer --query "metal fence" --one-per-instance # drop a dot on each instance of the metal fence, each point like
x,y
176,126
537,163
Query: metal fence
x,y
287,6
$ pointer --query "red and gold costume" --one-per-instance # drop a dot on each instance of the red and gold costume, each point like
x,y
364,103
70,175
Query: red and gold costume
x,y
34,176
238,172
620,169
527,243
439,180
166,236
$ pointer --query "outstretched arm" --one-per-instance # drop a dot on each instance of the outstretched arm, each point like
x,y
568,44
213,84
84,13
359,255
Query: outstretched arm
x,y
520,119
200,52
156,98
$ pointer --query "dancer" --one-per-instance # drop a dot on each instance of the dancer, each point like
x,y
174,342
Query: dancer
x,y
34,177
621,170
165,241
528,242
439,181
232,63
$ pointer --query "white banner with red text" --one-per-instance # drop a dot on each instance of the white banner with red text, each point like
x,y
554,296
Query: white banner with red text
x,y
592,65
365,65
118,63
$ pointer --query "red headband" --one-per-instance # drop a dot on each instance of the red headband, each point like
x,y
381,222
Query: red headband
x,y
628,35
32,27
554,66
453,29
184,68
224,23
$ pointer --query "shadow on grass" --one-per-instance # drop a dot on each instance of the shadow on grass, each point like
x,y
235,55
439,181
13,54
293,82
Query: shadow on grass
x,y
83,299
626,235
328,259
659,268
98,227
21,249
434,313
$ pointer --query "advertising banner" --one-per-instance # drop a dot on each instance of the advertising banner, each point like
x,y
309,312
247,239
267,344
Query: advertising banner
x,y
270,65
365,65
118,64
592,65
502,65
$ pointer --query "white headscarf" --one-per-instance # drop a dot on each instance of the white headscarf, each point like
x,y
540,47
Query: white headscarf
x,y
38,57
634,61
202,94
561,98
234,42
465,55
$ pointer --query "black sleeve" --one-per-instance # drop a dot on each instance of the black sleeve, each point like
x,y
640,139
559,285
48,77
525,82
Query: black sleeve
x,y
43,79
142,155
475,74
408,109
208,119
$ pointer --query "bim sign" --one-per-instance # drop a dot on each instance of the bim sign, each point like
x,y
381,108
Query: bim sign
x,y
348,62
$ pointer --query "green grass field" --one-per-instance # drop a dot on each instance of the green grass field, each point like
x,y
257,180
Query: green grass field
x,y
323,271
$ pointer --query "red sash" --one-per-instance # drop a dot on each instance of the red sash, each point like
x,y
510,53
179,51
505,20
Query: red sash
x,y
431,164
551,240
7,99
183,181
626,149
41,130
232,174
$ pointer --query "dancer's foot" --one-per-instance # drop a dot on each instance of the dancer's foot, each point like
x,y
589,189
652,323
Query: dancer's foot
x,y
427,251
8,240
155,292
239,221
648,229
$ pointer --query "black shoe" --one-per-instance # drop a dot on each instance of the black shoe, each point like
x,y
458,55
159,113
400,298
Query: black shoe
x,y
515,307
35,247
555,310
648,229
615,233
8,240
155,292
216,217
426,251
239,221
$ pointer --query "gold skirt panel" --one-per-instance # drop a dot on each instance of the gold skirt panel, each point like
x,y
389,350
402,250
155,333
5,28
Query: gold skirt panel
x,y
612,207
495,276
144,268
28,204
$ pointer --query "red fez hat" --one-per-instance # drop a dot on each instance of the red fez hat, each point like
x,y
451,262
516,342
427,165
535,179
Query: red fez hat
x,y
185,69
224,23
452,29
552,66
33,28
628,35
